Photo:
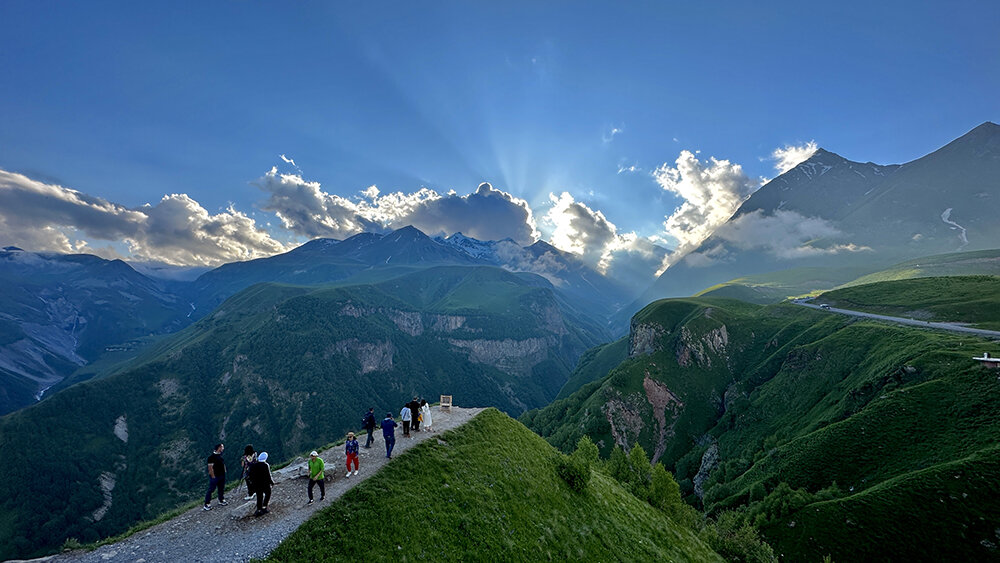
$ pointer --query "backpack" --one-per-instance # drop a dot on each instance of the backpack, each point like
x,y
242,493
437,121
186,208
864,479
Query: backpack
x,y
368,421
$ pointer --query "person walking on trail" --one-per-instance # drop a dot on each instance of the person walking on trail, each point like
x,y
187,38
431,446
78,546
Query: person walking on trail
x,y
415,414
351,449
406,416
369,425
260,474
316,467
389,433
216,477
425,413
249,457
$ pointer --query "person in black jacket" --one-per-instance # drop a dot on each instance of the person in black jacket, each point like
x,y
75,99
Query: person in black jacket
x,y
260,475
369,425
414,414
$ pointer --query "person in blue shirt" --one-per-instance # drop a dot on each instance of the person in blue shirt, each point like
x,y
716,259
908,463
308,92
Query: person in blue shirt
x,y
389,433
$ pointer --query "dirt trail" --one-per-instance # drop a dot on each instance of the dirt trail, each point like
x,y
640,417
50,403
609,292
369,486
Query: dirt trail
x,y
232,533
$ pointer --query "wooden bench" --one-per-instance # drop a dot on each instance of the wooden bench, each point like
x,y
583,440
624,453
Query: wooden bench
x,y
446,401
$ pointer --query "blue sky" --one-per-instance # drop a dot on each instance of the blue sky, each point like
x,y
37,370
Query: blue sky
x,y
128,102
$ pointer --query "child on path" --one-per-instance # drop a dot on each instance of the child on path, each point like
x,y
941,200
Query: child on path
x,y
351,449
316,467
389,433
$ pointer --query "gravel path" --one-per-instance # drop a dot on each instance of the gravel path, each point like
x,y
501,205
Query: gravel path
x,y
231,533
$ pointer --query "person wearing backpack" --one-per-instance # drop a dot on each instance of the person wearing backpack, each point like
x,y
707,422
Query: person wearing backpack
x,y
368,423
249,457
316,467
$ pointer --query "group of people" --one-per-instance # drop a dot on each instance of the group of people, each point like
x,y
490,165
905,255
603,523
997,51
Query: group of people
x,y
256,472
413,414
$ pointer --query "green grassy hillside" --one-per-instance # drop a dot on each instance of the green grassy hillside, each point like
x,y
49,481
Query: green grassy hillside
x,y
488,490
774,287
283,366
834,436
980,262
966,299
595,364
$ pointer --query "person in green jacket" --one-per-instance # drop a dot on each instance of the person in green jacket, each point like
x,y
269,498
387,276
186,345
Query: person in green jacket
x,y
316,475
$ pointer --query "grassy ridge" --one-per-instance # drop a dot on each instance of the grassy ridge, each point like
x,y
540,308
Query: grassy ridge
x,y
979,262
968,299
488,489
819,423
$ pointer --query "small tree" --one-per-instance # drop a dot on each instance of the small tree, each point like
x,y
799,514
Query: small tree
x,y
664,492
617,465
586,450
639,472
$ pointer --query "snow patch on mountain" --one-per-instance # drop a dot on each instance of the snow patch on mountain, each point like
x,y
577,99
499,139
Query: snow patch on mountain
x,y
962,233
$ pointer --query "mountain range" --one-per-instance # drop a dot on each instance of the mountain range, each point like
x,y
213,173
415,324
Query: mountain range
x,y
61,312
831,212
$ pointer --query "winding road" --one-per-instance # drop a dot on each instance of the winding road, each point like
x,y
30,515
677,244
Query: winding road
x,y
954,327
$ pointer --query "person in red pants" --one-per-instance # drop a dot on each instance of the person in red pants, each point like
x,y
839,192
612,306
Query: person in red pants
x,y
351,449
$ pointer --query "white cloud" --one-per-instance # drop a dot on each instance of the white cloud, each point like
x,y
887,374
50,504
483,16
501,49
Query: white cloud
x,y
783,234
625,168
712,191
588,234
486,214
305,209
288,160
39,216
789,157
610,135
579,229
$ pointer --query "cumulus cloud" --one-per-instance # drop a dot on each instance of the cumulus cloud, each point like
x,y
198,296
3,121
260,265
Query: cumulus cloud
x,y
783,234
587,233
580,230
518,259
712,191
178,231
305,209
789,156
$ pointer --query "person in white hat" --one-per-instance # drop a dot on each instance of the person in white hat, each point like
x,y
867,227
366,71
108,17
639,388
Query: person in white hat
x,y
316,467
260,475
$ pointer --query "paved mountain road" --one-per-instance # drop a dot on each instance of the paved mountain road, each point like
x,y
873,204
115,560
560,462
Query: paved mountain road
x,y
912,322
232,533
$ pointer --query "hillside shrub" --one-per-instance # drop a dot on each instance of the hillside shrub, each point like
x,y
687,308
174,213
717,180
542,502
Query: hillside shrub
x,y
586,451
736,540
573,471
